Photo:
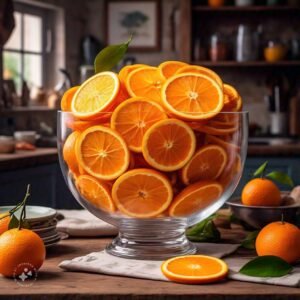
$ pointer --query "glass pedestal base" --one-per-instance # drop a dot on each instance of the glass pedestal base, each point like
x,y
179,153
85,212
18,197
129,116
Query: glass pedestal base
x,y
151,239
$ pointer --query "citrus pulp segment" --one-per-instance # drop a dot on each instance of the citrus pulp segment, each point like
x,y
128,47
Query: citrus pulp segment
x,y
170,67
102,153
191,96
195,197
142,193
132,119
96,192
168,145
96,95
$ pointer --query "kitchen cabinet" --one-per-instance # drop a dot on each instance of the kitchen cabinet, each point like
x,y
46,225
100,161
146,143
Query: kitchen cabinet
x,y
48,187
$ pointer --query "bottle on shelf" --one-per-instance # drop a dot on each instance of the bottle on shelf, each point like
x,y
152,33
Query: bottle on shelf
x,y
218,50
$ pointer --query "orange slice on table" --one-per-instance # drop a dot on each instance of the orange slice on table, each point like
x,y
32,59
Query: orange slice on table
x,y
169,68
133,118
168,145
194,269
102,153
195,197
191,96
207,163
142,193
145,82
96,192
96,95
69,153
232,99
201,70
66,100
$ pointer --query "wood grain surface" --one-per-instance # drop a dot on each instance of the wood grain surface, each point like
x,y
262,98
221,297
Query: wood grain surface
x,y
54,283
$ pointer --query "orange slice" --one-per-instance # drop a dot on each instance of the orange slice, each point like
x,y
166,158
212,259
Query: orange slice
x,y
132,119
195,197
192,96
66,100
142,193
145,82
201,70
232,169
96,192
232,99
207,163
212,129
69,153
81,125
168,145
194,269
102,153
96,95
126,70
169,68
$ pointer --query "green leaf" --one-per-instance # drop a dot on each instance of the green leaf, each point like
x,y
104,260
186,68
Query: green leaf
x,y
110,56
249,241
14,222
266,266
281,177
205,231
260,171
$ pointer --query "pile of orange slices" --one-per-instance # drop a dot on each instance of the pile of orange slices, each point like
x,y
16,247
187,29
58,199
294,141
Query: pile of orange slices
x,y
150,141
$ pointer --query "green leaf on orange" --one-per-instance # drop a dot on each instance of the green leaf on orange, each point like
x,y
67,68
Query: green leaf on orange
x,y
110,56
281,177
260,171
249,241
266,266
14,222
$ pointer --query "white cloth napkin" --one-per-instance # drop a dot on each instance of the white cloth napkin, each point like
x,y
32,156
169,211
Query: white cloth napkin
x,y
104,263
82,223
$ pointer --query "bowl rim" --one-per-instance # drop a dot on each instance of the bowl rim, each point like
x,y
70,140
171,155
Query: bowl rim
x,y
236,202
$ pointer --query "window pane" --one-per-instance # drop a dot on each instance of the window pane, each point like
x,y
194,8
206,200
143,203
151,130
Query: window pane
x,y
32,33
33,69
12,68
14,41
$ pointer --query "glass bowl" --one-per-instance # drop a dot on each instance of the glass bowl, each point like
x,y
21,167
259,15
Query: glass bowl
x,y
163,235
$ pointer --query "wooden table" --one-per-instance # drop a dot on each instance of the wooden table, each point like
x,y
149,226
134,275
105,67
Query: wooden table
x,y
53,283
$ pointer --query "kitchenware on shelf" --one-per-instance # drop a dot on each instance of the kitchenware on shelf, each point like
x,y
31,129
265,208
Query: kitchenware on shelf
x,y
216,3
274,51
199,50
259,216
86,72
26,136
161,235
278,118
244,2
7,144
294,113
247,44
218,50
42,221
90,47
294,48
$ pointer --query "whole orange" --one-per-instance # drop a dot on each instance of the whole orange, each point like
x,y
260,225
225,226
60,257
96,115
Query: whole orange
x,y
20,246
261,192
280,239
4,222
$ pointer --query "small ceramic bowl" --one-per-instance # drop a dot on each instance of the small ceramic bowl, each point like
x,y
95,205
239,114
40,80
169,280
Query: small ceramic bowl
x,y
259,216
26,136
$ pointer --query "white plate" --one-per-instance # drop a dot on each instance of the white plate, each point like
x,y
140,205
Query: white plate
x,y
51,238
33,213
43,230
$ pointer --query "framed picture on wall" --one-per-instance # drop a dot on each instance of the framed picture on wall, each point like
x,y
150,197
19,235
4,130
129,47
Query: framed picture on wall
x,y
141,19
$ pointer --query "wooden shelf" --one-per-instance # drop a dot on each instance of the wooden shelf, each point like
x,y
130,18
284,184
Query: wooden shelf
x,y
233,64
289,9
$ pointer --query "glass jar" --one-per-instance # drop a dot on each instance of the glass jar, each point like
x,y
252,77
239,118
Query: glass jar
x,y
274,51
218,50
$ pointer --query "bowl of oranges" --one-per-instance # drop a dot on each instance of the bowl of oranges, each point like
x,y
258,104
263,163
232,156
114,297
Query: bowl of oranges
x,y
152,150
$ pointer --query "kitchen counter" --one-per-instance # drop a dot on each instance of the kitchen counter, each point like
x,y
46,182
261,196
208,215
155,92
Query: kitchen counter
x,y
26,159
54,283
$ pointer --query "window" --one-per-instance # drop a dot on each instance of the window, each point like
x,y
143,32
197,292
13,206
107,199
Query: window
x,y
24,55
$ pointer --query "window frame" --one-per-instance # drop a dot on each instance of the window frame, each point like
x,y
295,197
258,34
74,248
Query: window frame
x,y
45,31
